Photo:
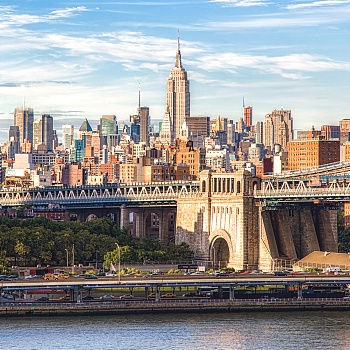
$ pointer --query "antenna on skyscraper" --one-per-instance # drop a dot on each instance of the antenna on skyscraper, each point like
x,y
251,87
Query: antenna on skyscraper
x,y
24,97
139,97
178,39
243,102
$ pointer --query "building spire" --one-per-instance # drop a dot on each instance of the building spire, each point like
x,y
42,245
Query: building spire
x,y
139,98
178,63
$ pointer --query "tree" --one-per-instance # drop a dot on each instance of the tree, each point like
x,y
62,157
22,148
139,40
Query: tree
x,y
3,262
22,251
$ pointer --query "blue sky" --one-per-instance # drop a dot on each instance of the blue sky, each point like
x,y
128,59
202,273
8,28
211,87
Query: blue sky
x,y
85,59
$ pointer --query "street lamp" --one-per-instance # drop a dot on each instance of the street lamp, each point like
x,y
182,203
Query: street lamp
x,y
213,257
66,257
73,258
96,258
118,246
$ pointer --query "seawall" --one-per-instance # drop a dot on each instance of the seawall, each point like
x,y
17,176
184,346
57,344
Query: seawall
x,y
173,306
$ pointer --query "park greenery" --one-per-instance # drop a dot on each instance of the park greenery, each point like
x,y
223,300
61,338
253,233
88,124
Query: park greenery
x,y
40,241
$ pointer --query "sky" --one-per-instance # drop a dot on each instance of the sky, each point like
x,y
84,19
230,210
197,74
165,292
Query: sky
x,y
77,60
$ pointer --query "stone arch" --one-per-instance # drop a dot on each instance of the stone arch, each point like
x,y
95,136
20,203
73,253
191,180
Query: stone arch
x,y
152,225
220,248
256,186
111,216
91,217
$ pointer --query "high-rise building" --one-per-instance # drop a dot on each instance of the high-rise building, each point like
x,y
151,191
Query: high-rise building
x,y
43,132
24,119
259,127
248,116
278,128
36,133
85,128
178,94
344,132
67,136
144,124
166,135
330,132
108,126
199,125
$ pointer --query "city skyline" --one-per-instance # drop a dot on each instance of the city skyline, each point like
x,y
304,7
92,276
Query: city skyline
x,y
83,61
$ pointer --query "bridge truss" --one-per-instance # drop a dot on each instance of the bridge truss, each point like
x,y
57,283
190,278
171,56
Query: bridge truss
x,y
112,194
326,184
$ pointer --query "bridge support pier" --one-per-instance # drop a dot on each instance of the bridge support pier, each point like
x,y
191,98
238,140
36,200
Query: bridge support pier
x,y
290,234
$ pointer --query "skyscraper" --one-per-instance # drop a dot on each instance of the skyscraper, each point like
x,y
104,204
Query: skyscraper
x,y
24,119
178,94
43,132
108,125
247,116
278,128
140,124
144,124
67,136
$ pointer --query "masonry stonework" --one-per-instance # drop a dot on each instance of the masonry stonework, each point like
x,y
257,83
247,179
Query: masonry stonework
x,y
226,226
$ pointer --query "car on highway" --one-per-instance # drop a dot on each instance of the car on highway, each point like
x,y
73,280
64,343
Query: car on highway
x,y
126,296
90,277
7,295
108,297
64,298
190,294
152,295
168,295
220,274
279,273
87,298
42,299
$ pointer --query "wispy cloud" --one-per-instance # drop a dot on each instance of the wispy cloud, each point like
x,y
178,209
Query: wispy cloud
x,y
9,17
291,66
320,3
241,3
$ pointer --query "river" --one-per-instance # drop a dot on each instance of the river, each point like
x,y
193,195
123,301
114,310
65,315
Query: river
x,y
213,331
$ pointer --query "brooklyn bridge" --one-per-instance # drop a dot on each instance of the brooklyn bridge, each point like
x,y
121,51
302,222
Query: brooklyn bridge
x,y
236,219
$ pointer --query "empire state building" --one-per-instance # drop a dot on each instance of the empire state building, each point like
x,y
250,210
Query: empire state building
x,y
178,95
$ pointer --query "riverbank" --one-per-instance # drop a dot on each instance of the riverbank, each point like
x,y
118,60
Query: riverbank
x,y
169,306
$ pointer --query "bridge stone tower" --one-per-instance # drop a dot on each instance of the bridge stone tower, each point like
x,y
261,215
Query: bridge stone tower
x,y
220,223
226,225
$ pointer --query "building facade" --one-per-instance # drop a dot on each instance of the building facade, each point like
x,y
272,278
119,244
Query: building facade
x,y
311,153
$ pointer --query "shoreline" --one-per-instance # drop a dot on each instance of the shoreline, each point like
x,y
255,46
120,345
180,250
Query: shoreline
x,y
11,310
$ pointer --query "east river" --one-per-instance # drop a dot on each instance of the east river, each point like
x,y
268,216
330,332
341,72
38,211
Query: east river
x,y
213,331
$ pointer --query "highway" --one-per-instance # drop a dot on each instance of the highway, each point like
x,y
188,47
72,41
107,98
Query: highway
x,y
174,281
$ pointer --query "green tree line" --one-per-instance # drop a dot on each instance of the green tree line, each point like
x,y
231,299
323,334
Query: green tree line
x,y
40,241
